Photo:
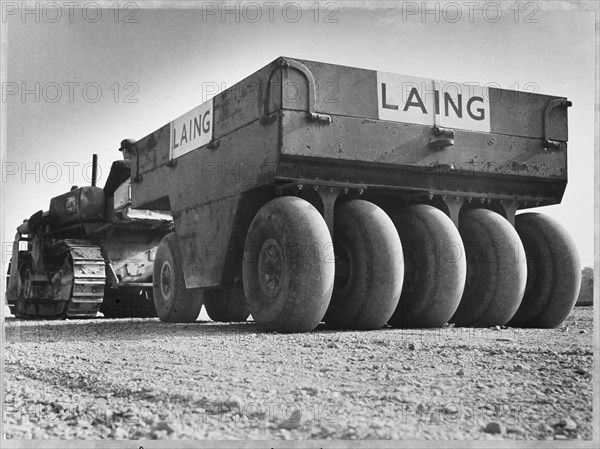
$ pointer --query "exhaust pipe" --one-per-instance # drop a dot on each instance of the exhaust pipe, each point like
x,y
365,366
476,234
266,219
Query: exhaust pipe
x,y
94,169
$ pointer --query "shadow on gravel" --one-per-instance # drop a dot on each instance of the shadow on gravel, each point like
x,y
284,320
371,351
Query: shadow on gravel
x,y
116,329
128,329
20,331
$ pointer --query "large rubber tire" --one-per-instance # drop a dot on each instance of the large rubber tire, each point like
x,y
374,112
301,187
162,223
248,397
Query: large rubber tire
x,y
288,266
227,305
370,268
173,302
553,275
435,267
496,270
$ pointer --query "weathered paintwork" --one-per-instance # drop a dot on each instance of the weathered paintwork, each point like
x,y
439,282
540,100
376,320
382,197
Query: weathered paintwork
x,y
294,121
85,204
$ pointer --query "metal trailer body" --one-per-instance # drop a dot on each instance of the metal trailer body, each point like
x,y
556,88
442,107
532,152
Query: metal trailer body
x,y
331,133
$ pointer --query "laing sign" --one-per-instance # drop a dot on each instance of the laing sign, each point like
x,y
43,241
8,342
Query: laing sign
x,y
424,101
401,98
192,130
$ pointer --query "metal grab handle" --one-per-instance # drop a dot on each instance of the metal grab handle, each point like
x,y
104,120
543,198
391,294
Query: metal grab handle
x,y
550,144
312,97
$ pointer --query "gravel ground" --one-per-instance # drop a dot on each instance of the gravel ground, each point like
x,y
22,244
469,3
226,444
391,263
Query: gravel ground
x,y
143,379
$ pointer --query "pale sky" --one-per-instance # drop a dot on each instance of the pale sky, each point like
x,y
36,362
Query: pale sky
x,y
168,60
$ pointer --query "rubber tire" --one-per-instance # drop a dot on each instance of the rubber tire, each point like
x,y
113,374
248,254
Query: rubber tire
x,y
435,268
180,305
369,296
496,270
554,272
307,266
226,305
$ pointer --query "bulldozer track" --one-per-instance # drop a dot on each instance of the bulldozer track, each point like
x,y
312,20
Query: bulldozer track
x,y
89,278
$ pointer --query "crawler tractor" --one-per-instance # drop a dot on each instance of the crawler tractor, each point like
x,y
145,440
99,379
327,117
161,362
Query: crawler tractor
x,y
86,254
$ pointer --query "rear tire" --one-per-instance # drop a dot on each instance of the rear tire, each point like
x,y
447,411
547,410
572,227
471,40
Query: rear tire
x,y
173,302
554,272
496,270
288,266
370,268
226,305
9,302
435,267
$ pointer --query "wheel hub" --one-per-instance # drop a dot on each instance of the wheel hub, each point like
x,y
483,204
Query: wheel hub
x,y
166,279
27,284
270,267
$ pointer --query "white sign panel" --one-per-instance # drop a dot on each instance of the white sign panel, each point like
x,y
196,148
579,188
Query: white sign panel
x,y
423,101
192,130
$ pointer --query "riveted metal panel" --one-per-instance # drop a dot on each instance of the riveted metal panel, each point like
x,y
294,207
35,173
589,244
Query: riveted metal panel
x,y
205,188
243,103
243,160
400,182
388,143
349,91
152,151
152,192
203,237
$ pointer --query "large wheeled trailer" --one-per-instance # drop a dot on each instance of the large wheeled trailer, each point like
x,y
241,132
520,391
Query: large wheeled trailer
x,y
314,192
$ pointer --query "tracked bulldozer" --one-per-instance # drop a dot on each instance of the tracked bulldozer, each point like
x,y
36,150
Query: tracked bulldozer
x,y
89,252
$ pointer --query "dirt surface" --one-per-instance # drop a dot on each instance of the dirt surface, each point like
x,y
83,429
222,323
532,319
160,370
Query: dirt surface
x,y
143,379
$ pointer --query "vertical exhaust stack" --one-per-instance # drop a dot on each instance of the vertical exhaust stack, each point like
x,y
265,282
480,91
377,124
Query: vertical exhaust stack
x,y
94,169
